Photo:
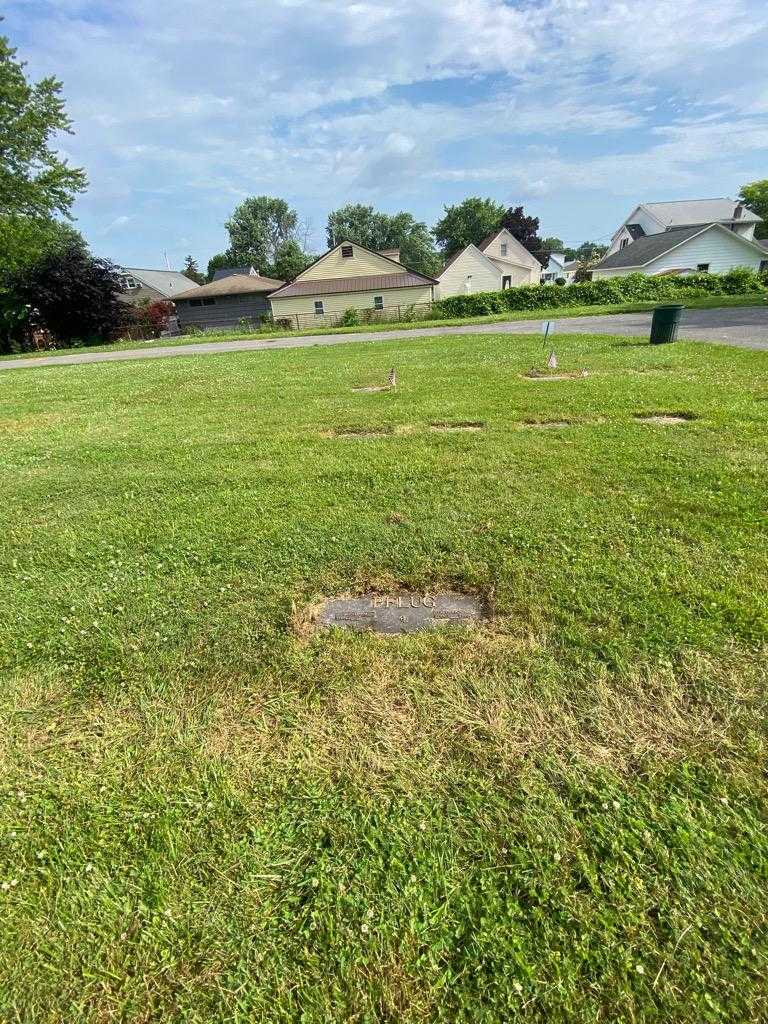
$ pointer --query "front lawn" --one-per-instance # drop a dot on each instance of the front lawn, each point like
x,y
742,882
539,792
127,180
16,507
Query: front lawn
x,y
208,815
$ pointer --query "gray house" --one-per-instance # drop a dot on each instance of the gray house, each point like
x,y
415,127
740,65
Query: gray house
x,y
224,303
138,284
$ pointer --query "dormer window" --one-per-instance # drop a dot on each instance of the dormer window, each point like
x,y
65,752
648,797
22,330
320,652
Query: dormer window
x,y
347,251
127,283
624,243
503,248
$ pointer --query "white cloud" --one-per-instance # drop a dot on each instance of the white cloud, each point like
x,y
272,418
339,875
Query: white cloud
x,y
181,109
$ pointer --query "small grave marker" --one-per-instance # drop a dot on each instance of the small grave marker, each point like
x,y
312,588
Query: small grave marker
x,y
401,612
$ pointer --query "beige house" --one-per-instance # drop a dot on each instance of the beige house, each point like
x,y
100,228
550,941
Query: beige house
x,y
349,276
496,263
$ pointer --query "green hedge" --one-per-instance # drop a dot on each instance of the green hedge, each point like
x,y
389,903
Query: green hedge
x,y
604,292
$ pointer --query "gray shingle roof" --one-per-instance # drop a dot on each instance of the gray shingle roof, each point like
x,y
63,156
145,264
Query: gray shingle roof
x,y
168,282
223,272
367,283
648,248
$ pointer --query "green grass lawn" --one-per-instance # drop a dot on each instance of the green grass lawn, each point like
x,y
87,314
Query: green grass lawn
x,y
207,815
709,302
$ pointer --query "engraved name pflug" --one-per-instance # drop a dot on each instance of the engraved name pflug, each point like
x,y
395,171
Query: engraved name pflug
x,y
402,612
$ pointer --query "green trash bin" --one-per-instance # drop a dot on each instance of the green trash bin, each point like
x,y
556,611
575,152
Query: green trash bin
x,y
666,320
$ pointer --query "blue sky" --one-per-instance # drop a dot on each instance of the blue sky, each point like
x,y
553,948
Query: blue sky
x,y
578,109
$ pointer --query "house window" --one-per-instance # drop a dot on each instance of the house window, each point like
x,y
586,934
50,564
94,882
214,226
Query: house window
x,y
378,302
195,302
346,251
506,282
209,302
127,283
624,243
763,267
703,268
319,310
503,248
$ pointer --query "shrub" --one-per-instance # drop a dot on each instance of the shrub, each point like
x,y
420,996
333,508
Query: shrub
x,y
609,291
350,318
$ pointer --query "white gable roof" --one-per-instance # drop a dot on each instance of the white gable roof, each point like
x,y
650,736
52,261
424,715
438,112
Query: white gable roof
x,y
699,211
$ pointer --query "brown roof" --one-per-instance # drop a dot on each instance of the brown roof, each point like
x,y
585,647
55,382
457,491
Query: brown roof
x,y
368,283
235,284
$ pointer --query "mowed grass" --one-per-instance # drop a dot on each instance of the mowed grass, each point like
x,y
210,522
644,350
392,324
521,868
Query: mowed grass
x,y
209,815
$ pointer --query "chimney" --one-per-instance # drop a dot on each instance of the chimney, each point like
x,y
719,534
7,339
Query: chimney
x,y
738,211
392,254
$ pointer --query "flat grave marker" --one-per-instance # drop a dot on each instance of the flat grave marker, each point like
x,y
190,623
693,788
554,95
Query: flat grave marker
x,y
401,611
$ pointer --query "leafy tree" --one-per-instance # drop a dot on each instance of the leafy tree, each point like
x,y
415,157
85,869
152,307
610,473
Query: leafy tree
x,y
290,261
377,231
589,252
258,227
34,181
755,196
553,244
467,222
219,261
525,229
77,295
191,270
23,240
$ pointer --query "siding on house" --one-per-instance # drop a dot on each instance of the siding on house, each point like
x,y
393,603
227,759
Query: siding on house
x,y
133,296
721,249
225,311
338,302
516,253
485,276
362,262
520,275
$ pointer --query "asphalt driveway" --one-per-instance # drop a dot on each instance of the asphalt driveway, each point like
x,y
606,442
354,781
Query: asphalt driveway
x,y
745,326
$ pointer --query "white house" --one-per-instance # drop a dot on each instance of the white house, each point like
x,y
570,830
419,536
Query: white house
x,y
496,263
558,267
684,237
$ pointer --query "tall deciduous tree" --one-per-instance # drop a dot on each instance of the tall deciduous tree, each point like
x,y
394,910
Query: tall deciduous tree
x,y
289,262
23,240
467,222
588,252
755,195
525,230
376,230
258,227
34,180
219,262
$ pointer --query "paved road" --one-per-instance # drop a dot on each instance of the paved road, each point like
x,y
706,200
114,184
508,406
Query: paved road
x,y
745,326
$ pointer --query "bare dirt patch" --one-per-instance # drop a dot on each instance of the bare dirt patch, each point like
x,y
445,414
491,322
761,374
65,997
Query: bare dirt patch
x,y
470,425
546,424
359,433
31,422
665,418
540,375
